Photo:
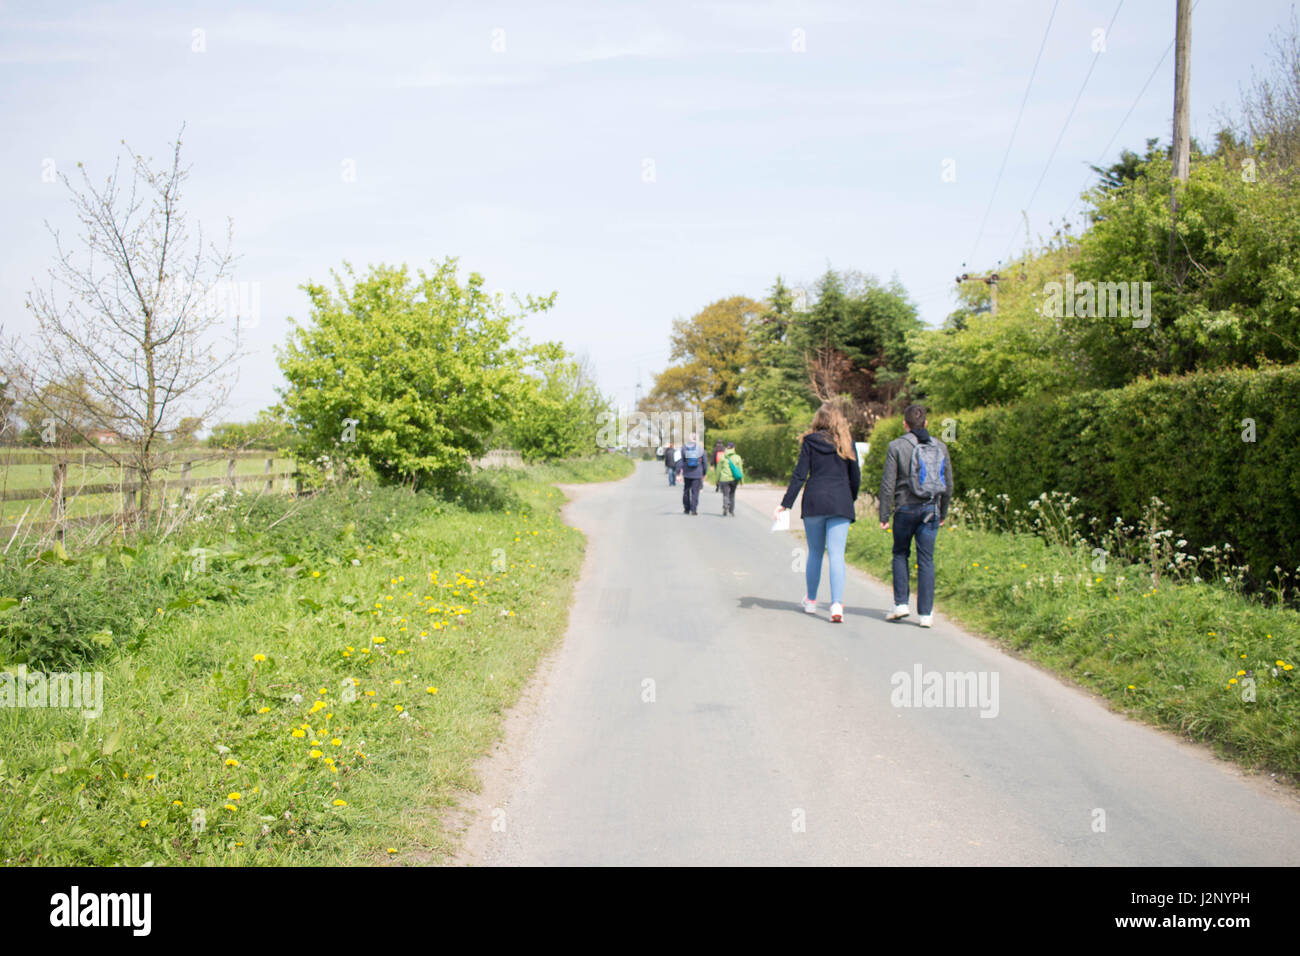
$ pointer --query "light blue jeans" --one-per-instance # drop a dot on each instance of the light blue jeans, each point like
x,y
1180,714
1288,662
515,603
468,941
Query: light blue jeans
x,y
828,534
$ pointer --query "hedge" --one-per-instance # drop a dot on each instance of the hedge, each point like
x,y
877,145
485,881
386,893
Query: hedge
x,y
1182,439
769,451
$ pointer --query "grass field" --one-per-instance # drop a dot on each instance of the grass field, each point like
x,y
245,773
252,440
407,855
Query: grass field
x,y
327,716
1196,658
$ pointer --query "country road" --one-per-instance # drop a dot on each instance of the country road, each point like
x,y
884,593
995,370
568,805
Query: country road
x,y
695,715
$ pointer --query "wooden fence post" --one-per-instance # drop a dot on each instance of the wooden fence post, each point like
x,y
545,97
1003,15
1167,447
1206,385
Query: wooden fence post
x,y
128,490
230,473
59,504
270,482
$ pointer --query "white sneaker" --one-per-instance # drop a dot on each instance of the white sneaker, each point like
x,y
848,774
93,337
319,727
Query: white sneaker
x,y
927,620
837,613
809,607
899,612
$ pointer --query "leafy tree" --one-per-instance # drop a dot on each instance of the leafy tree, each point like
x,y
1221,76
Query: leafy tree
x,y
62,408
855,344
713,349
991,358
776,386
185,431
1224,270
270,431
556,405
406,373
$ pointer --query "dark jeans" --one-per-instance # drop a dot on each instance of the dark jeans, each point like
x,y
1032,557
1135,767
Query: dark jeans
x,y
909,523
672,476
728,496
691,493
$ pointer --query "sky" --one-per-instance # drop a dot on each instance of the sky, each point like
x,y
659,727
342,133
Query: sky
x,y
642,160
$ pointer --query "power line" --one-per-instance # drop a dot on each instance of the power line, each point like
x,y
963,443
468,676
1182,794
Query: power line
x,y
1069,116
1019,115
1132,106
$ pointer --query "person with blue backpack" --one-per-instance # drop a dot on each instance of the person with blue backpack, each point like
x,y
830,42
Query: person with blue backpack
x,y
916,487
693,465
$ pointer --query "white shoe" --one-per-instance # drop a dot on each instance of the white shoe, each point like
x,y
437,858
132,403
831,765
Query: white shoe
x,y
809,607
899,612
837,613
927,620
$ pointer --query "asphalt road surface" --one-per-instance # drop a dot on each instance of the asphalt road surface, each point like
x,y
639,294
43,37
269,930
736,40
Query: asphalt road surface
x,y
696,715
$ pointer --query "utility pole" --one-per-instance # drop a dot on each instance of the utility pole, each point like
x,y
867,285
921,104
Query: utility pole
x,y
1182,85
990,280
1182,146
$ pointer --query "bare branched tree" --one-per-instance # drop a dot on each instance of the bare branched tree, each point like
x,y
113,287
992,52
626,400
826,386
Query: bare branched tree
x,y
129,337
1270,107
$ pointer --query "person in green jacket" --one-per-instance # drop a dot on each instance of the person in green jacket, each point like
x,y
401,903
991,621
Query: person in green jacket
x,y
724,477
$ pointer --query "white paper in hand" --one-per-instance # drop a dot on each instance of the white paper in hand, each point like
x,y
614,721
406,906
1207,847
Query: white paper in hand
x,y
782,522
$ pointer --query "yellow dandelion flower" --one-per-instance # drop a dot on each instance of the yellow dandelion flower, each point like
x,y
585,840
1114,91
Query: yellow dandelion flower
x,y
178,803
336,742
143,824
431,690
299,732
264,710
259,657
315,574
1232,680
231,807
1241,673
315,755
398,707
340,803
380,640
232,762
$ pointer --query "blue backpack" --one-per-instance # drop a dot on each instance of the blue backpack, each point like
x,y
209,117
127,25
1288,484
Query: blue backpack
x,y
929,477
691,455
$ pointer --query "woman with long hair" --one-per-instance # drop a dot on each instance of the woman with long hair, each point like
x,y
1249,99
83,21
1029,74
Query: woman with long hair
x,y
828,462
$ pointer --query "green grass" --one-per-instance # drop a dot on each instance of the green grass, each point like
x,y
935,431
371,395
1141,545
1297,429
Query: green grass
x,y
1170,653
355,639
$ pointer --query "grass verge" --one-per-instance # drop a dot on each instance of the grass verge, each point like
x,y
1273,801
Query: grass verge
x,y
323,718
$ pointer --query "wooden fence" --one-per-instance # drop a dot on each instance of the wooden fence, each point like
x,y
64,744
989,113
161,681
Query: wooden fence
x,y
163,481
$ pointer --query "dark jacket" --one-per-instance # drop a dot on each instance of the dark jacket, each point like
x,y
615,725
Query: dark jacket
x,y
832,481
895,482
696,450
670,457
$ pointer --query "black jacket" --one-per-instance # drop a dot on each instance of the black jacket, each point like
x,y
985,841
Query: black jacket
x,y
670,457
832,481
